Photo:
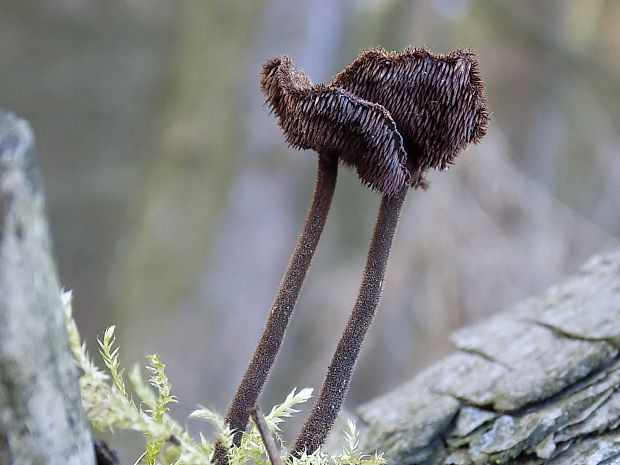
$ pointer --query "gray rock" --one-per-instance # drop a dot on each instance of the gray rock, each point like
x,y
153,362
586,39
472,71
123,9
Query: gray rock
x,y
537,384
41,418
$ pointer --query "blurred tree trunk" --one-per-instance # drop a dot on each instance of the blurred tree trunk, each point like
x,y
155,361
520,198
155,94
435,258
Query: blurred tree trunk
x,y
199,129
87,76
207,272
41,416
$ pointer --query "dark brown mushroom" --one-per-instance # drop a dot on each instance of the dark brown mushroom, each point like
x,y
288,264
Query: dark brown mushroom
x,y
333,121
339,126
438,105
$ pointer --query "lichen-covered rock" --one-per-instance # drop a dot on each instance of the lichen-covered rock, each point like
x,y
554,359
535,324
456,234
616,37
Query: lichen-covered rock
x,y
41,419
538,384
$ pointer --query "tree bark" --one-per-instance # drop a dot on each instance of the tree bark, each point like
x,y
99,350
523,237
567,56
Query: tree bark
x,y
41,417
538,384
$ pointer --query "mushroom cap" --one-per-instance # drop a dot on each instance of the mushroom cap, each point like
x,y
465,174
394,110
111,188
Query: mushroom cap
x,y
335,122
392,116
437,101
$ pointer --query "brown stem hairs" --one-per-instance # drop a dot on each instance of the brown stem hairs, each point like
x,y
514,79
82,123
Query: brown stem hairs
x,y
391,116
339,373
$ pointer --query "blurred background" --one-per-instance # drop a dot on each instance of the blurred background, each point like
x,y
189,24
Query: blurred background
x,y
175,203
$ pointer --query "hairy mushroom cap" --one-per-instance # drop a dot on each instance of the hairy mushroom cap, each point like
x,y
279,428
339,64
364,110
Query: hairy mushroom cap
x,y
335,122
436,101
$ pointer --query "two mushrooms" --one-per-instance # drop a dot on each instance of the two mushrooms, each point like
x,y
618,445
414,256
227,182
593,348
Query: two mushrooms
x,y
391,116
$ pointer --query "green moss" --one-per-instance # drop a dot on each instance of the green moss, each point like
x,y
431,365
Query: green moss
x,y
109,407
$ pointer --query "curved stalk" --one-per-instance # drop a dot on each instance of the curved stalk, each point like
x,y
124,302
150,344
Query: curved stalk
x,y
336,383
246,397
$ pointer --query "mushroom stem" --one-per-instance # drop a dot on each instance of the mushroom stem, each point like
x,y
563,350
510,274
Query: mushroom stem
x,y
336,383
271,338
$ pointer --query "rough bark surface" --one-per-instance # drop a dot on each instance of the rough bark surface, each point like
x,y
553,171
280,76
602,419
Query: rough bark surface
x,y
538,384
41,418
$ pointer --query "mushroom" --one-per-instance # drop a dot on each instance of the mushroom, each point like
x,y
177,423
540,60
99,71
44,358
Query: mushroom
x,y
340,127
438,105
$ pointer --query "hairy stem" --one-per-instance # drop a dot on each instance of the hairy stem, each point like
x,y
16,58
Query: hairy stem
x,y
269,343
336,383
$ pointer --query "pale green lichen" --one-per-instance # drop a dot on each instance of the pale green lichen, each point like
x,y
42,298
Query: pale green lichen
x,y
110,407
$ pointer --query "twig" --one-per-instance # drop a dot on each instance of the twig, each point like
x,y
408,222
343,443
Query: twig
x,y
270,445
